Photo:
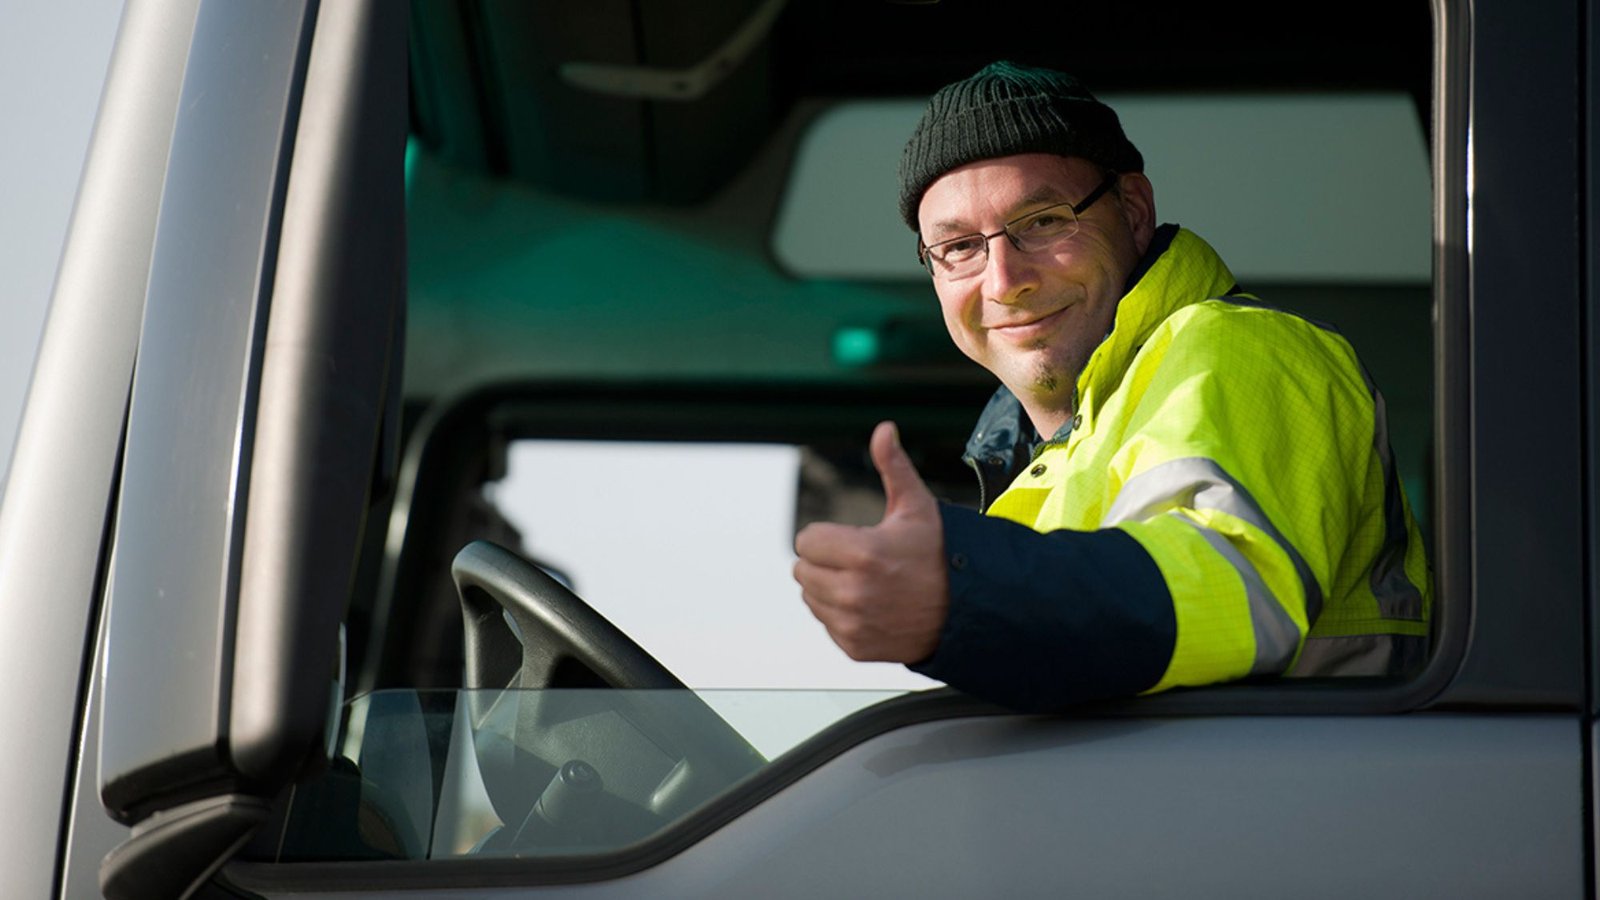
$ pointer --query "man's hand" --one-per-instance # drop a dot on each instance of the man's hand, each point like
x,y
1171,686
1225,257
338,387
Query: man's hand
x,y
882,591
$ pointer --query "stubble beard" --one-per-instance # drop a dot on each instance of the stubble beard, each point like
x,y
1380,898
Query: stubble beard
x,y
1045,377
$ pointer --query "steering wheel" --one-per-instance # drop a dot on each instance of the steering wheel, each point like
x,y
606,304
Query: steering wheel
x,y
557,630
525,630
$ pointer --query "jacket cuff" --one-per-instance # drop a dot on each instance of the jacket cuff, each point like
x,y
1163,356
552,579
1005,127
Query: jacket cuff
x,y
1040,621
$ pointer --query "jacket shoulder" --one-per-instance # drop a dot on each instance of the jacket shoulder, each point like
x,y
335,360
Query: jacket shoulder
x,y
1222,328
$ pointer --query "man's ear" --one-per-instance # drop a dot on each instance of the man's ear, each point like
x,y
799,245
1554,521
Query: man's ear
x,y
1138,207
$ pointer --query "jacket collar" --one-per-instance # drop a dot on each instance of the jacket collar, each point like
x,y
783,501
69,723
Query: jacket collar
x,y
1177,270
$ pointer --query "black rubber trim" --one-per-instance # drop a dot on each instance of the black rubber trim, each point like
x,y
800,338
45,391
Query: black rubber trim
x,y
1588,49
1588,167
91,640
1453,588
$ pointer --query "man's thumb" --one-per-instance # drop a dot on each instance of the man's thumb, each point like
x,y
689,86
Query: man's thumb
x,y
901,483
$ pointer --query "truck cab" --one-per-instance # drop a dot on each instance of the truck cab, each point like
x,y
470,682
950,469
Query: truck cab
x,y
430,393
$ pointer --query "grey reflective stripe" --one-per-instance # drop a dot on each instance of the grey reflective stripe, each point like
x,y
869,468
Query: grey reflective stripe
x,y
1397,597
1196,482
1277,638
1361,654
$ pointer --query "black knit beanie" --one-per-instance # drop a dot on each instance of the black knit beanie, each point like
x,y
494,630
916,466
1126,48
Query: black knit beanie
x,y
1004,110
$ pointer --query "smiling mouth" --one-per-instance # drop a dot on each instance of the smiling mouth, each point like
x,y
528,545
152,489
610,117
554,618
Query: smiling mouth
x,y
1033,328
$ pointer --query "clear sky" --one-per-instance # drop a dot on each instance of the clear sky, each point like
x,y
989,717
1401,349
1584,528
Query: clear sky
x,y
53,56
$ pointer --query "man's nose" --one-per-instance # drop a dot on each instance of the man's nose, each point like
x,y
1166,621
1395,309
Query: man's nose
x,y
1011,274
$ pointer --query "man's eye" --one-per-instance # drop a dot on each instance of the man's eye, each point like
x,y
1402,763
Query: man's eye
x,y
1046,223
961,248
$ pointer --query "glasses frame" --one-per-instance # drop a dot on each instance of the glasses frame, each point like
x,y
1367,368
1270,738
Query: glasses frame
x,y
925,251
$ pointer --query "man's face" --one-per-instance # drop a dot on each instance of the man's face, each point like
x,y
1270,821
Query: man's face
x,y
1033,318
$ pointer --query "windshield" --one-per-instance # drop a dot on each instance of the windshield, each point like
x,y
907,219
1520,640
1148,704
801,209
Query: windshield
x,y
687,547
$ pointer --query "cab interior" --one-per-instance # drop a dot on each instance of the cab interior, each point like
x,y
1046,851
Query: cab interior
x,y
639,227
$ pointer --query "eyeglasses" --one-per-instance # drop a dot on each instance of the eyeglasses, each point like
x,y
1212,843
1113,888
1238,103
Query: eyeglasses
x,y
964,256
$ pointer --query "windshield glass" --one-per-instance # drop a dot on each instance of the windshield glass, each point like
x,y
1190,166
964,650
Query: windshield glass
x,y
687,547
441,773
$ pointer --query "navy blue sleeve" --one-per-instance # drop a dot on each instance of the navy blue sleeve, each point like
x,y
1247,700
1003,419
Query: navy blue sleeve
x,y
1041,621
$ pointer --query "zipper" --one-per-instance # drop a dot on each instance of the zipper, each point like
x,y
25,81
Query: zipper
x,y
977,469
1059,439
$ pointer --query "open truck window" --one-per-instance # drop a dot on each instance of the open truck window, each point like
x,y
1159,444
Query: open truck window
x,y
643,385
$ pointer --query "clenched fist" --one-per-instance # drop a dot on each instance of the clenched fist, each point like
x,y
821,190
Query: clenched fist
x,y
881,591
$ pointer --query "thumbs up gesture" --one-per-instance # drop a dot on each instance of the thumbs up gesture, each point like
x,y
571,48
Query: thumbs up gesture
x,y
881,591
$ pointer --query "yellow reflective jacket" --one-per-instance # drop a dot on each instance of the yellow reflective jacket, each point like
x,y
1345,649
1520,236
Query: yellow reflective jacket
x,y
1245,453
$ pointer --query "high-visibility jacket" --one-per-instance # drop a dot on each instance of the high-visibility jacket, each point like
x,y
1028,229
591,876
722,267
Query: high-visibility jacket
x,y
1224,503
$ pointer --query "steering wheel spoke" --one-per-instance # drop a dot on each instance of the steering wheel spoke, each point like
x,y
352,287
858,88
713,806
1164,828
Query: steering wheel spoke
x,y
528,637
